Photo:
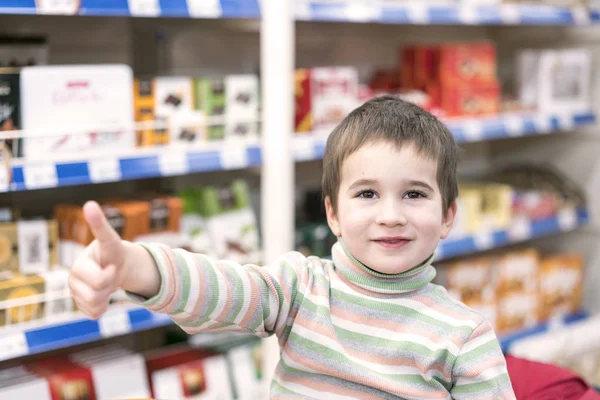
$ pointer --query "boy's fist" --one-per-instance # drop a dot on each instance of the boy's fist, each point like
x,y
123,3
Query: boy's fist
x,y
100,269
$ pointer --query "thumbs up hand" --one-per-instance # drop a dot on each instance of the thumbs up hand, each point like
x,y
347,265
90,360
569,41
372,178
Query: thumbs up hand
x,y
101,268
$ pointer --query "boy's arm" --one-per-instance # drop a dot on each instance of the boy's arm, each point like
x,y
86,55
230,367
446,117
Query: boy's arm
x,y
480,368
201,294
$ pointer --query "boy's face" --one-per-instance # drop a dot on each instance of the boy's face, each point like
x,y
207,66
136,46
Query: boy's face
x,y
389,207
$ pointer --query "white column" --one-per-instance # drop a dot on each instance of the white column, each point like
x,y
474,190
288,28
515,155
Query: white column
x,y
277,191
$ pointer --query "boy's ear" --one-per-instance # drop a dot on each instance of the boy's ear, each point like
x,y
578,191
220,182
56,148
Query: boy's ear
x,y
448,221
332,219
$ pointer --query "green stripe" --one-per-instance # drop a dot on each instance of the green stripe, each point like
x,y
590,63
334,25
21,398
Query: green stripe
x,y
184,281
442,354
276,387
502,381
399,310
237,286
489,347
208,272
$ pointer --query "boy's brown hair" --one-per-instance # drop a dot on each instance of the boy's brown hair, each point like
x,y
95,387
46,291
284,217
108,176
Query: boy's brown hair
x,y
389,119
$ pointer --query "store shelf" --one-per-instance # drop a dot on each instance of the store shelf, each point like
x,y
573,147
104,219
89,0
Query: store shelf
x,y
40,337
308,147
506,341
137,8
418,12
521,230
138,165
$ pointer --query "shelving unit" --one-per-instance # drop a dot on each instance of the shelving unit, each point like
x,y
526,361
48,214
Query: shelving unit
x,y
279,149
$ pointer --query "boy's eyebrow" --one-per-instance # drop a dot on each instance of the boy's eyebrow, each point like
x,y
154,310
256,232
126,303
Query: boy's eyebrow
x,y
362,182
420,184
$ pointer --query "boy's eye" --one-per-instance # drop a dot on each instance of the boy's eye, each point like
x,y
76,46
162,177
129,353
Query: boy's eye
x,y
414,194
366,194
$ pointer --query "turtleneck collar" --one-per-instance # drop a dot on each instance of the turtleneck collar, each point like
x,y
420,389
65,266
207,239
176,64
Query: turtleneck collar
x,y
359,274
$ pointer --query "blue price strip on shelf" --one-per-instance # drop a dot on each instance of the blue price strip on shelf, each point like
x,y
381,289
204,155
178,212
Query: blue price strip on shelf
x,y
136,8
15,344
519,231
112,169
418,12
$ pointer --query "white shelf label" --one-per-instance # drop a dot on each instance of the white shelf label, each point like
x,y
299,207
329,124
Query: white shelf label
x,y
567,219
39,176
4,178
235,157
304,148
581,16
144,8
204,8
418,12
61,7
359,11
104,170
565,121
473,131
173,163
467,15
302,10
542,123
114,323
514,126
510,14
13,345
520,230
484,240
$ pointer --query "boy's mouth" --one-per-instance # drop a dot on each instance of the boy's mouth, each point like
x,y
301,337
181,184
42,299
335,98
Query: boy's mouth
x,y
391,242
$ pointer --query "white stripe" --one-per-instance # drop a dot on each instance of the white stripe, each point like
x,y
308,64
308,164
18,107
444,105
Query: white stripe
x,y
289,361
478,341
378,368
488,374
395,336
405,302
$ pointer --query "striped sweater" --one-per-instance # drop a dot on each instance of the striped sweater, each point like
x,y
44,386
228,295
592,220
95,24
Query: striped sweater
x,y
345,331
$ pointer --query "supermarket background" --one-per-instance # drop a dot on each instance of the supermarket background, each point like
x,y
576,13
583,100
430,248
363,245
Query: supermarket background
x,y
201,124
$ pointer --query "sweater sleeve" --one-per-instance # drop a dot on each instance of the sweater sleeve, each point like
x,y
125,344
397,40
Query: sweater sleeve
x,y
201,294
480,369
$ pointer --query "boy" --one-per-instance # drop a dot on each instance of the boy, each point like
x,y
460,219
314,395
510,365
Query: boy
x,y
367,324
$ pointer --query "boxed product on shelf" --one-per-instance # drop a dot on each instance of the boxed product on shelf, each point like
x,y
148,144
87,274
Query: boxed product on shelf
x,y
234,97
96,101
115,374
460,78
188,373
193,224
230,221
25,386
517,272
516,311
144,100
34,297
241,115
535,205
165,215
303,120
18,51
560,285
28,246
65,380
22,287
556,80
210,97
246,364
10,108
333,95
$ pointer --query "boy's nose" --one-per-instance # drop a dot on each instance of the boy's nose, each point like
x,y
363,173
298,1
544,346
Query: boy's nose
x,y
391,214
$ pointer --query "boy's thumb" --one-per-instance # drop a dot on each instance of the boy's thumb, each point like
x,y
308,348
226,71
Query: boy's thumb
x,y
98,223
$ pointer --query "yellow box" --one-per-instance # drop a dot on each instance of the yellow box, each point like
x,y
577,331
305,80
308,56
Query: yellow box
x,y
21,287
560,285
